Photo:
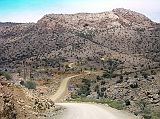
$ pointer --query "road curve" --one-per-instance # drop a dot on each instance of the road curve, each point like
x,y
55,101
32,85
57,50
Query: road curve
x,y
84,110
62,89
92,111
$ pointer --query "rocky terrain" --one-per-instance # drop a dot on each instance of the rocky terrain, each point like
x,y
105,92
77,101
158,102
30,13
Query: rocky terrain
x,y
131,36
18,102
123,46
8,24
137,92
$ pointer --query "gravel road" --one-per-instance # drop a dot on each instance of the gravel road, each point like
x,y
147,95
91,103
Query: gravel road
x,y
92,111
86,110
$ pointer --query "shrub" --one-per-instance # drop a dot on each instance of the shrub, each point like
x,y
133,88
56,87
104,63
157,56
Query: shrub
x,y
103,89
117,105
127,102
147,116
136,76
96,88
106,75
112,103
74,96
121,77
153,72
30,85
101,94
127,73
84,88
22,83
103,82
152,77
6,75
119,80
134,85
127,78
86,82
145,75
158,92
99,78
110,75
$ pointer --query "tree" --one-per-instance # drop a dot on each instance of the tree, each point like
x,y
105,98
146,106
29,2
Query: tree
x,y
110,66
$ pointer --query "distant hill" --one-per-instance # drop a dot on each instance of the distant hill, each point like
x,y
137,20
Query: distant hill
x,y
120,33
2,24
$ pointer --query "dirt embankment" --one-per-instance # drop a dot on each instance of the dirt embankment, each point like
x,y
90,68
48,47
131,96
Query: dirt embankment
x,y
17,102
14,104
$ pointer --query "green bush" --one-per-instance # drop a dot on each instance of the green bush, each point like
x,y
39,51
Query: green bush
x,y
6,75
112,103
115,104
84,90
30,85
146,111
150,115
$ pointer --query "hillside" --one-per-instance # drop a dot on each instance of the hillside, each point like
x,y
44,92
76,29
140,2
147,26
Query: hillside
x,y
124,34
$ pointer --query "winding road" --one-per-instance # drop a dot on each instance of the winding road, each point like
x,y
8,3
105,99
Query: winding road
x,y
86,110
61,92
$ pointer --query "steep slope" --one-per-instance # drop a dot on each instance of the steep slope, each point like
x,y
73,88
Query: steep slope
x,y
74,36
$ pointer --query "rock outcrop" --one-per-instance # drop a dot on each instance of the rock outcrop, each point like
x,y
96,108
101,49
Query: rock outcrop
x,y
17,103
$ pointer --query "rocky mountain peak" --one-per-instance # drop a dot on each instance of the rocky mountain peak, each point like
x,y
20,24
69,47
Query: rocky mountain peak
x,y
115,18
132,17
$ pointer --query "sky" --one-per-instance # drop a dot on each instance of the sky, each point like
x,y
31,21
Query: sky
x,y
33,10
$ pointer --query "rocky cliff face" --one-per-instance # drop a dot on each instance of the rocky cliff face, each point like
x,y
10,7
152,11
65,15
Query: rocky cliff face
x,y
74,36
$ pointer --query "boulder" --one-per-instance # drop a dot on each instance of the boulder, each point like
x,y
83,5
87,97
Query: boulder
x,y
133,84
119,80
43,104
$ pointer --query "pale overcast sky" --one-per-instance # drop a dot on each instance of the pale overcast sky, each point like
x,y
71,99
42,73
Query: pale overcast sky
x,y
33,10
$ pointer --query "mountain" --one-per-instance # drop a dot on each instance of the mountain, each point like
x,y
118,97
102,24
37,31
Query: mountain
x,y
9,24
120,33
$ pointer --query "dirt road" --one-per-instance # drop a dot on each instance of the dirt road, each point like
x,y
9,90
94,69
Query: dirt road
x,y
92,111
63,89
59,95
84,110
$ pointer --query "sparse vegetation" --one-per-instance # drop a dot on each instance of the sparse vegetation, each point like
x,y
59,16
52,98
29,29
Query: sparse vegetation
x,y
83,89
110,66
112,103
30,84
146,111
145,74
153,72
6,75
125,49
